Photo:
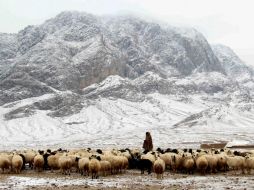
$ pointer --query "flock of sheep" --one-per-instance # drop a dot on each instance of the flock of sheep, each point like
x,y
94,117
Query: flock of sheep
x,y
108,162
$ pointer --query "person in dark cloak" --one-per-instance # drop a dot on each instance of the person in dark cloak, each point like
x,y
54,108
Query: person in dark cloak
x,y
148,142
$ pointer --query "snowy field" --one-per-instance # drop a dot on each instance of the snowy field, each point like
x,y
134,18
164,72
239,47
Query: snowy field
x,y
105,123
129,180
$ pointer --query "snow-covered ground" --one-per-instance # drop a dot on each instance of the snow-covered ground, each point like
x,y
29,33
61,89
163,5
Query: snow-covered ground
x,y
129,180
108,122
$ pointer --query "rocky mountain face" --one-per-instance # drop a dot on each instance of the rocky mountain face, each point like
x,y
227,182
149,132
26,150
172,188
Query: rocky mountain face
x,y
232,64
74,50
76,64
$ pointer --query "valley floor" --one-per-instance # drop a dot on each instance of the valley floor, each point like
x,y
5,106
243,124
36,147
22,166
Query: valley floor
x,y
129,180
108,123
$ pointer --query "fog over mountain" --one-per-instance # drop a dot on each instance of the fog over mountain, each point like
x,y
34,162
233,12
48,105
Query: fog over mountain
x,y
83,78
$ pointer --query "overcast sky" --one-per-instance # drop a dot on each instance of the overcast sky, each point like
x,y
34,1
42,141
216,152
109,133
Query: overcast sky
x,y
229,22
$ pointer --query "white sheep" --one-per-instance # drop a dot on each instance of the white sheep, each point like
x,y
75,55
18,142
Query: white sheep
x,y
17,163
249,164
166,157
105,167
149,156
236,163
29,157
65,164
83,165
53,161
212,163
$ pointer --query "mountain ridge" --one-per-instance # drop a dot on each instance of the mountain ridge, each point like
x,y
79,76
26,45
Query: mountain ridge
x,y
87,79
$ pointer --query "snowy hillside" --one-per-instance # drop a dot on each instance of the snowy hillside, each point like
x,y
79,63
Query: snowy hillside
x,y
233,65
83,80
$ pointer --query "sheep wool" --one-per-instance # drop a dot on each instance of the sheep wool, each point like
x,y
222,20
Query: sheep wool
x,y
17,163
5,163
94,167
38,162
159,168
83,165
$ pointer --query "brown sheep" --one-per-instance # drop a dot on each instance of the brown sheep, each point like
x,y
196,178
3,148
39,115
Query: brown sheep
x,y
159,168
38,163
202,164
94,166
177,162
221,162
188,164
5,163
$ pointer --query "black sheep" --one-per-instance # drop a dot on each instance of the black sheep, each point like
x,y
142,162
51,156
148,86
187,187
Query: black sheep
x,y
175,151
160,150
144,164
45,157
99,151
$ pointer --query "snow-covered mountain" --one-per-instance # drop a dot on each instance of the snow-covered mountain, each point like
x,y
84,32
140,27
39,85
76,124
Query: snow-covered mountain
x,y
81,79
232,64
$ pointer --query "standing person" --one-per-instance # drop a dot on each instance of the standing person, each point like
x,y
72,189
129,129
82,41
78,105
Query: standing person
x,y
148,142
